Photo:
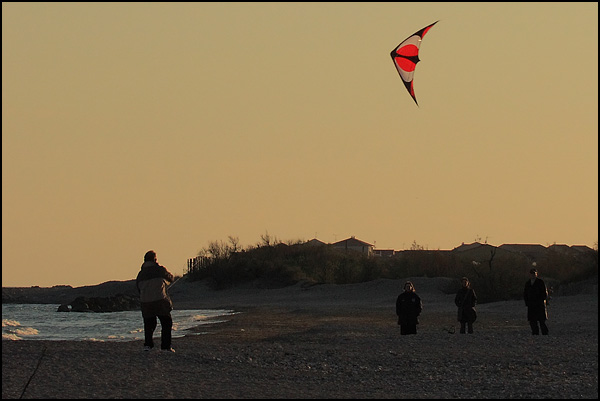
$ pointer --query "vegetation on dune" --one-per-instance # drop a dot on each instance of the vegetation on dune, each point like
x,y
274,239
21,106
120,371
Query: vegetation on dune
x,y
495,275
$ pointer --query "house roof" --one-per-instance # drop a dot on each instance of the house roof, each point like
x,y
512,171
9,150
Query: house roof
x,y
581,248
523,247
315,241
559,247
467,247
352,241
534,251
570,249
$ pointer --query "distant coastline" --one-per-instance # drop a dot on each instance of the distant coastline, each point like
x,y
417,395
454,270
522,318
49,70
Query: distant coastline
x,y
62,294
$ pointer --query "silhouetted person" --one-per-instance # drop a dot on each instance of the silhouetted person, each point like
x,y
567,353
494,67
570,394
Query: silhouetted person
x,y
535,296
151,283
466,300
408,309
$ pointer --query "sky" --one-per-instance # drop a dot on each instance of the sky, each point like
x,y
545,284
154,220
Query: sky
x,y
135,126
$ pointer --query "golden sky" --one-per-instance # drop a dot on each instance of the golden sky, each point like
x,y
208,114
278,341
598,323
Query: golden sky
x,y
137,126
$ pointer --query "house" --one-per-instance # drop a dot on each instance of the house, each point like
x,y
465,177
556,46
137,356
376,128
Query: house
x,y
574,250
560,248
315,242
581,248
384,252
476,251
467,247
353,244
533,252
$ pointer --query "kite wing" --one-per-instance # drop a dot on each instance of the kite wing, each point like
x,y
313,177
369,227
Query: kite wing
x,y
406,57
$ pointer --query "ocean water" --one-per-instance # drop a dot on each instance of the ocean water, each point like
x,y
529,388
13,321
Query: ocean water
x,y
43,322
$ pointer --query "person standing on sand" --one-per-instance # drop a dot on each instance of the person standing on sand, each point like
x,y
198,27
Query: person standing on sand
x,y
466,300
408,309
535,296
151,284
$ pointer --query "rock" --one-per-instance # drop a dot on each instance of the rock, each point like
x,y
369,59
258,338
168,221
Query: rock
x,y
117,303
79,304
64,308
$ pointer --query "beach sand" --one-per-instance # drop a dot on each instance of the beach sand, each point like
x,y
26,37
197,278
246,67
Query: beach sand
x,y
326,341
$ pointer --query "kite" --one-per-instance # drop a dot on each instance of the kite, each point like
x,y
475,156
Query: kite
x,y
406,57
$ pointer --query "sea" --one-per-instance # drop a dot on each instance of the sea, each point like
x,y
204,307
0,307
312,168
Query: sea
x,y
43,322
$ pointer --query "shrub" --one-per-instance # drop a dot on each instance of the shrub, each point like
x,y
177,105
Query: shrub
x,y
496,275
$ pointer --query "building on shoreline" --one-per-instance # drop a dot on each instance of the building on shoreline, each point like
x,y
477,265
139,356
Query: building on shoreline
x,y
534,252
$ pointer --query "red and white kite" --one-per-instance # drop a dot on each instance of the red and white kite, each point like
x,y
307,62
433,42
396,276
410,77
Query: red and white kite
x,y
406,57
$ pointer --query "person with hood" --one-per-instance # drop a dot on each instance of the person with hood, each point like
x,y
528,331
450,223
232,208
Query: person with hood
x,y
408,309
151,283
535,296
466,300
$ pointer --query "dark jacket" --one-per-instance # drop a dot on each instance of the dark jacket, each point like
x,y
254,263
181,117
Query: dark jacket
x,y
151,282
535,296
465,300
408,308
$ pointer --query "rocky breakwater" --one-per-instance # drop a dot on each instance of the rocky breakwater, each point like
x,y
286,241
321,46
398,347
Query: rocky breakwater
x,y
117,303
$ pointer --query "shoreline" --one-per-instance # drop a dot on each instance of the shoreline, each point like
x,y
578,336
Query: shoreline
x,y
327,343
